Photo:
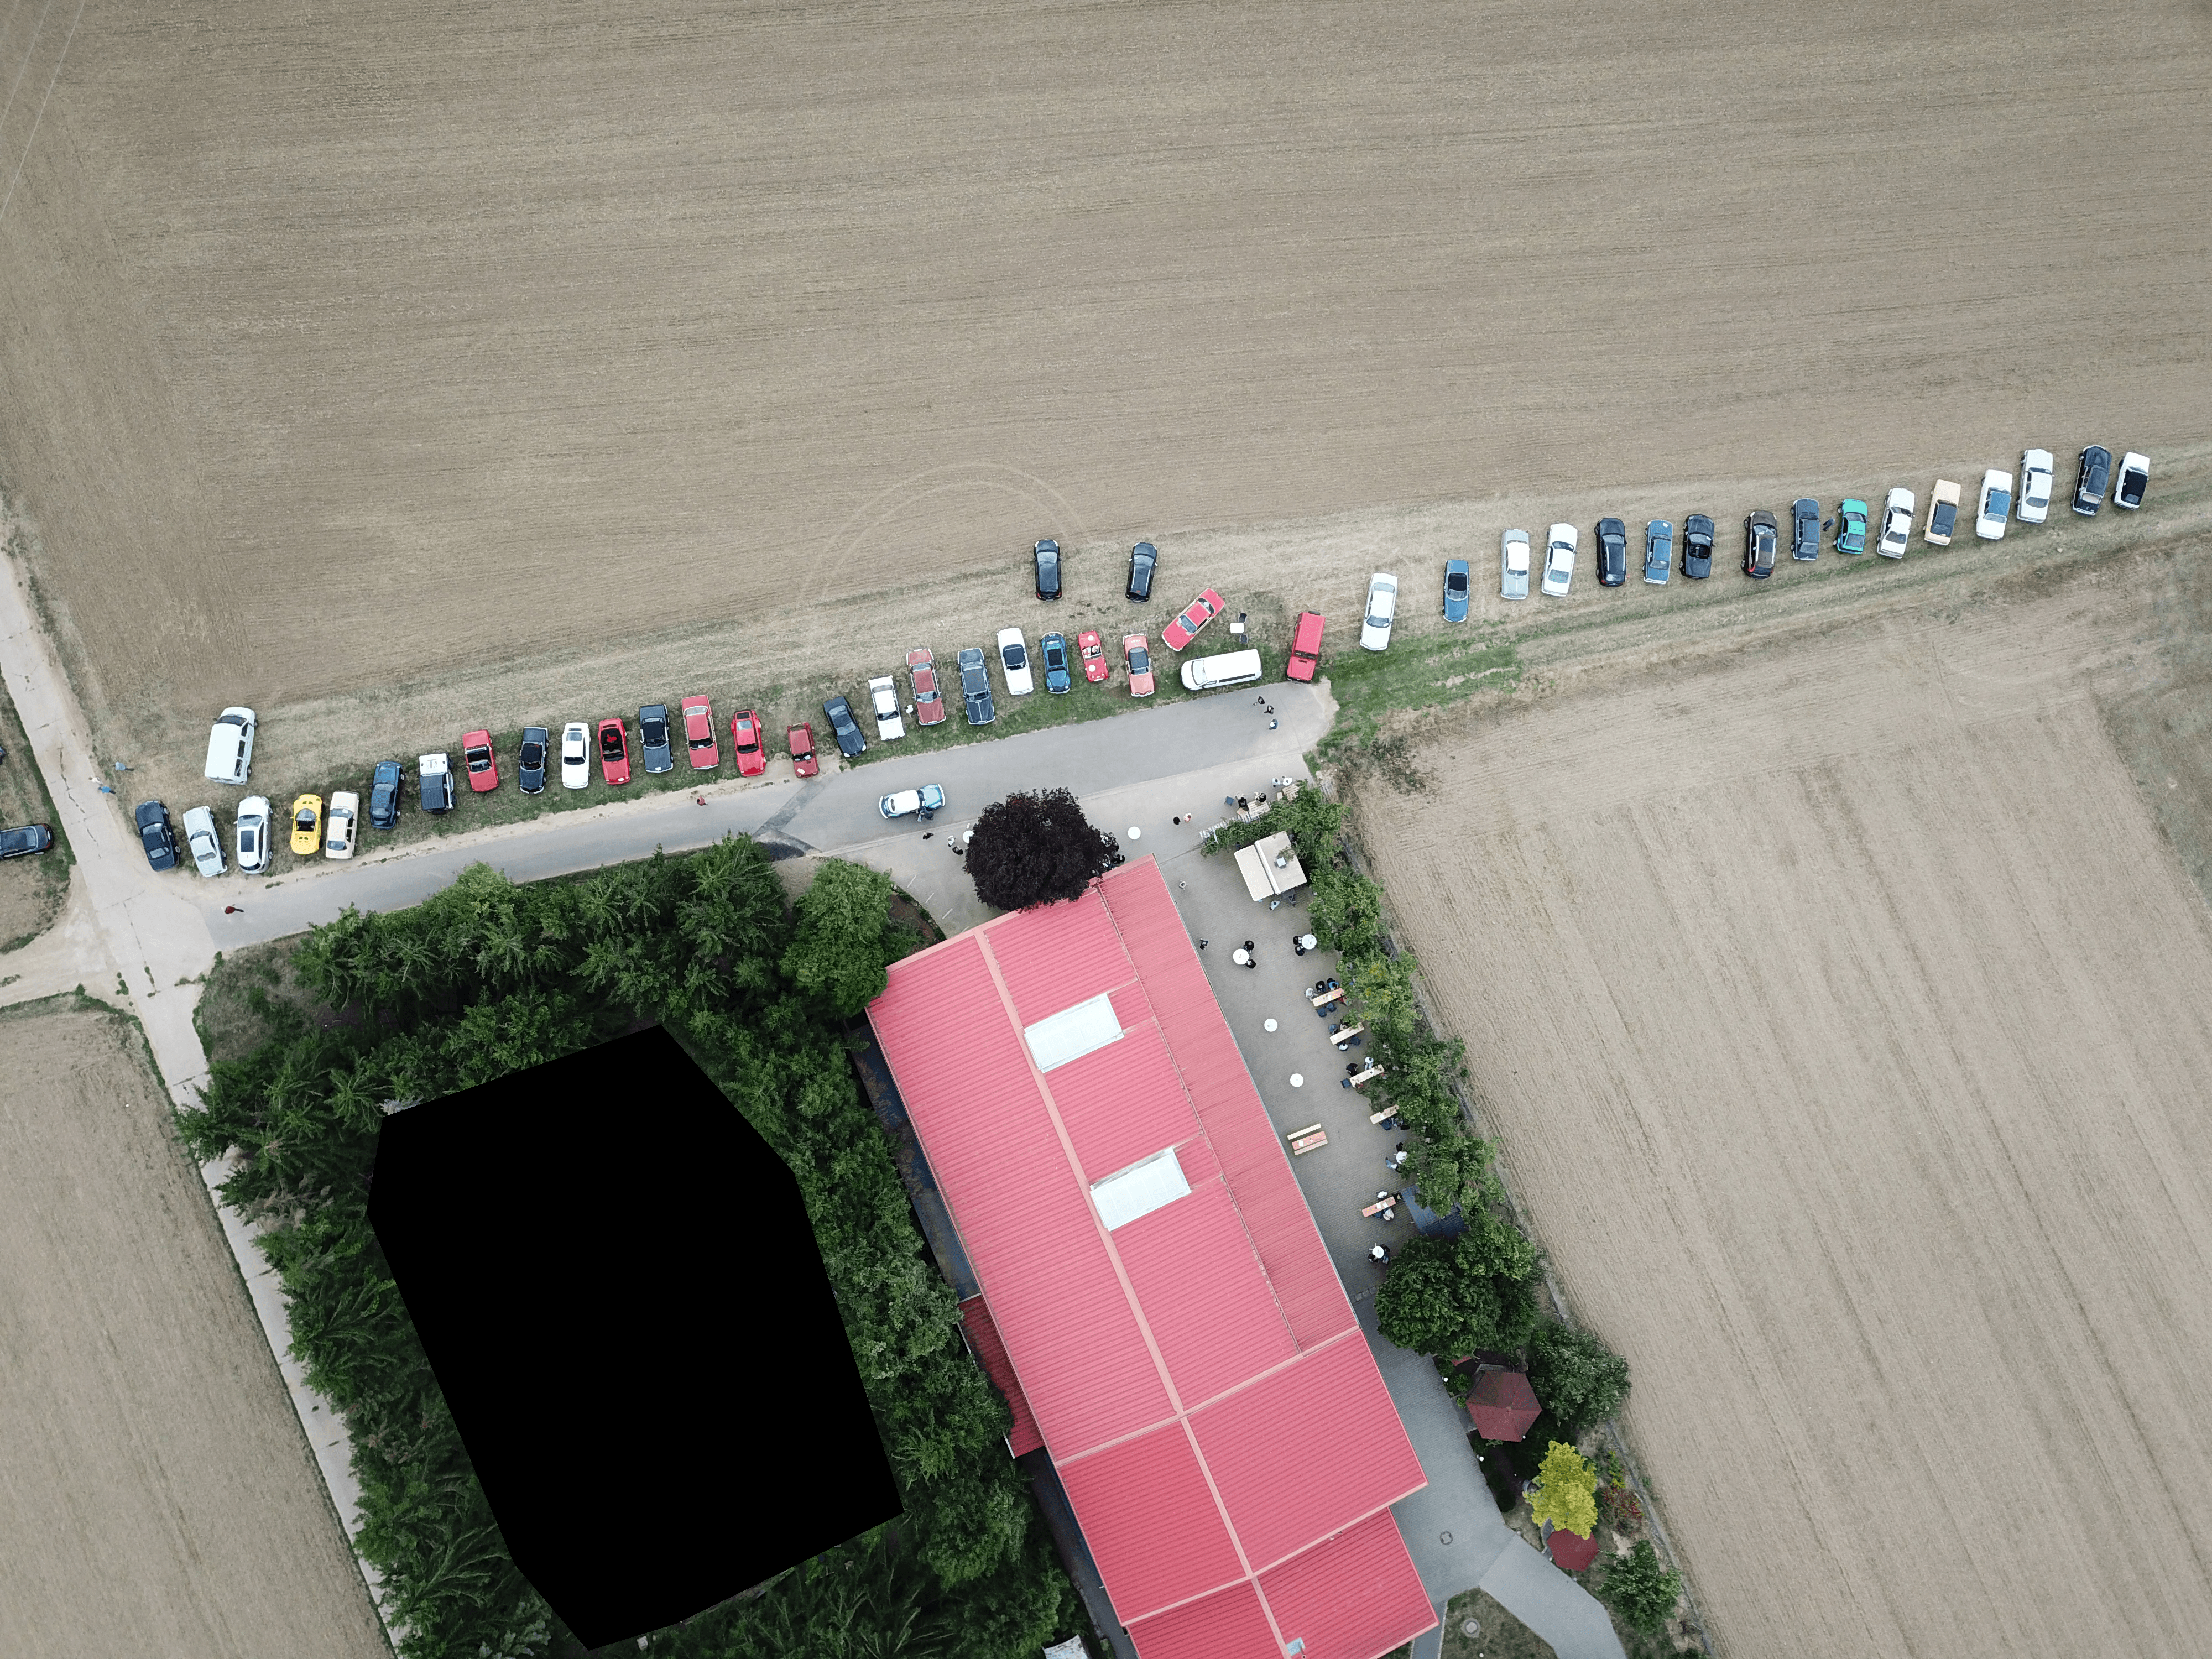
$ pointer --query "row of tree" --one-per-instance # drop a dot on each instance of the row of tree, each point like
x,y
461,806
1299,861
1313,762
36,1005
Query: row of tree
x,y
1444,1297
486,978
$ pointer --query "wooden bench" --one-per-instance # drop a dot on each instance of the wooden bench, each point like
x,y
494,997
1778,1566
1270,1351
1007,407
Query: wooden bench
x,y
1358,1078
1306,1139
1341,1038
1388,1111
1327,997
1389,1201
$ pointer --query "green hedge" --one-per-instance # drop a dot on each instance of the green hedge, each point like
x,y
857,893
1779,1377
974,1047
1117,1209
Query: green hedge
x,y
486,978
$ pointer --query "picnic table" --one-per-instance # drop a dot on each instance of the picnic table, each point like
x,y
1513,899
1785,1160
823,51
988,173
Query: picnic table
x,y
1343,1039
1358,1078
1327,997
1307,1139
1385,1204
1388,1111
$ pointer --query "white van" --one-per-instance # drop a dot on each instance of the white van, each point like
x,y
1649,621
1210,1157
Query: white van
x,y
1227,668
230,746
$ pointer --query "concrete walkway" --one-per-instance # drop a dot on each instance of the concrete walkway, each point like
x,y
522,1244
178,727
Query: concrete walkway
x,y
1458,1540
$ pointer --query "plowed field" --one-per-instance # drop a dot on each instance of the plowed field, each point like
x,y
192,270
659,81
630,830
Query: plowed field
x,y
1845,1015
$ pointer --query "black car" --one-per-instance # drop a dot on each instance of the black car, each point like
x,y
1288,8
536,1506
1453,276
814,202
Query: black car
x,y
25,840
157,834
384,784
1143,561
1761,534
1804,528
1611,553
1048,569
975,686
850,743
658,753
530,765
1698,546
2096,475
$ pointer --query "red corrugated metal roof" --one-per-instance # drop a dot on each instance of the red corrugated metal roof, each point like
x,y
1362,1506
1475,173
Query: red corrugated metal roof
x,y
983,1337
1354,1597
1196,1374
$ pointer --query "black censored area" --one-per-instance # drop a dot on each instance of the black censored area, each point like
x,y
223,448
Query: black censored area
x,y
617,1286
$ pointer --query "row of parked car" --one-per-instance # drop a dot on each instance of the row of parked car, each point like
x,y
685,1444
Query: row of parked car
x,y
1853,522
331,828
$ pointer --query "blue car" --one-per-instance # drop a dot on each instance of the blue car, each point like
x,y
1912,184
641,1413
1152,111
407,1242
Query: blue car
x,y
1053,648
850,743
1658,552
1456,590
384,784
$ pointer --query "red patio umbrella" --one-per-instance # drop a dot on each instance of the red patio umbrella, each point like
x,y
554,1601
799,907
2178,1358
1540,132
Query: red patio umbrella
x,y
1572,1551
1503,1405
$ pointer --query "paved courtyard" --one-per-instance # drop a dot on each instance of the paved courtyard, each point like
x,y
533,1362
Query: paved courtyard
x,y
1458,1538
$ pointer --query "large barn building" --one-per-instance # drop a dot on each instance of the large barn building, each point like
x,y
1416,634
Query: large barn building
x,y
1172,1329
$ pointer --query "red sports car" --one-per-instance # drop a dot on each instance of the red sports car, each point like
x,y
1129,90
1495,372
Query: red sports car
x,y
801,739
699,733
1184,629
1138,661
751,747
614,751
484,766
928,700
1092,650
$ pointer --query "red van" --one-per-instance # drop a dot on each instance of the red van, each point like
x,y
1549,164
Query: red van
x,y
1305,647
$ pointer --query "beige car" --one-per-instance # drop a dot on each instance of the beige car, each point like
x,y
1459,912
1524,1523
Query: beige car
x,y
1942,513
340,823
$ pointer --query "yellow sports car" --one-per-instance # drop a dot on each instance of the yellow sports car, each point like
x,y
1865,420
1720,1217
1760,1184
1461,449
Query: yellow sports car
x,y
307,825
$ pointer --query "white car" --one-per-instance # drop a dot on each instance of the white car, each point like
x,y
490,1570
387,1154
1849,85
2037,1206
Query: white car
x,y
230,746
575,756
1896,523
884,694
340,820
205,844
2135,478
2035,476
1382,611
1513,561
924,801
253,835
1560,560
1014,658
1995,506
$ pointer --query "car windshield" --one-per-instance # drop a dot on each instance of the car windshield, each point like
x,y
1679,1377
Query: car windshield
x,y
1015,656
307,818
1139,662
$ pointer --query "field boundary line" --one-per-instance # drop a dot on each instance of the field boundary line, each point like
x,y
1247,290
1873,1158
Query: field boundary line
x,y
67,41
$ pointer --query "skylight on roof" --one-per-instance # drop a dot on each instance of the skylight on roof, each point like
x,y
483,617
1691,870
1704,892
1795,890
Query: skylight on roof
x,y
1141,1189
1073,1032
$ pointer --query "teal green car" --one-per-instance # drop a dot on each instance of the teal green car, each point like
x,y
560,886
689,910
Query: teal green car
x,y
1851,526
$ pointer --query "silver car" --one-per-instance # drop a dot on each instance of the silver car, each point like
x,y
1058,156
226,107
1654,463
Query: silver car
x,y
206,845
1513,566
1382,609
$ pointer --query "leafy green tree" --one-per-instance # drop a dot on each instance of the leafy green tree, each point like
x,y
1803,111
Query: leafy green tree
x,y
1031,850
1449,1296
1641,1591
1566,1490
845,940
1309,815
1346,909
1580,1380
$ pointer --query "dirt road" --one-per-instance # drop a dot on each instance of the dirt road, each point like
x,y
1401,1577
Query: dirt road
x,y
418,367
1842,1009
155,1496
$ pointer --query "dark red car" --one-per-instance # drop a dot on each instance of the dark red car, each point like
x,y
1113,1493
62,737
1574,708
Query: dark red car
x,y
747,743
484,766
699,734
1184,629
614,751
928,700
801,739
